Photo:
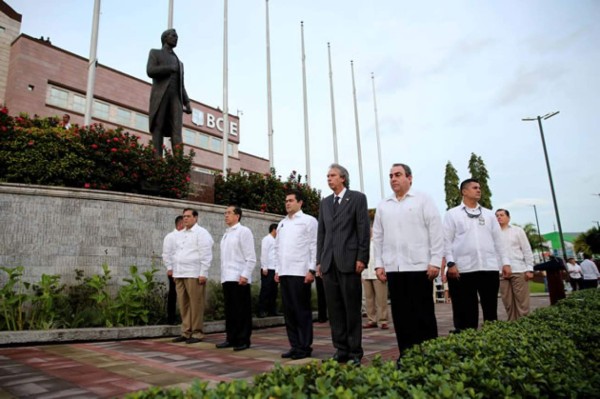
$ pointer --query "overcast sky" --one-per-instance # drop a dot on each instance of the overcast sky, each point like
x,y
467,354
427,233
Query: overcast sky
x,y
452,78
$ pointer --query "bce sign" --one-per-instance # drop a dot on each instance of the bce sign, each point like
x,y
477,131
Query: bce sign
x,y
209,120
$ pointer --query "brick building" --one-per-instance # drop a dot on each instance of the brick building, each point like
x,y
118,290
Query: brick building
x,y
39,78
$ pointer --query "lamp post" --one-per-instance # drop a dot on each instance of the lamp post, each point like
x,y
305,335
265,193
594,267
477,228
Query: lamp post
x,y
537,222
597,223
560,233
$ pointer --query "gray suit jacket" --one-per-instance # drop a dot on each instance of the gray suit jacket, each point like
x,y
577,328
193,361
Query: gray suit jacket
x,y
345,236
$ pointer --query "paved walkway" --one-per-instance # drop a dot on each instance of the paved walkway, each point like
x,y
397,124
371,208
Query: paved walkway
x,y
109,369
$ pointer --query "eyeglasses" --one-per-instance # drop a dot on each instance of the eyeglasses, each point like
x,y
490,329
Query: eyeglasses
x,y
473,215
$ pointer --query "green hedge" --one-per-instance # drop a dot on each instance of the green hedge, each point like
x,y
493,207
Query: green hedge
x,y
39,151
554,353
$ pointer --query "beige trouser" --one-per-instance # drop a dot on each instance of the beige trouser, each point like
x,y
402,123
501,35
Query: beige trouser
x,y
515,295
190,297
376,296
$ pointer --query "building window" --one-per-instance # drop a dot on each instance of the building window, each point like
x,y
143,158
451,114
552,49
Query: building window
x,y
230,149
203,141
101,110
189,137
78,103
123,117
58,97
141,122
215,144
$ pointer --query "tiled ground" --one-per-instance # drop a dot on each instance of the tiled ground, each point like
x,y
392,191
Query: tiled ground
x,y
110,369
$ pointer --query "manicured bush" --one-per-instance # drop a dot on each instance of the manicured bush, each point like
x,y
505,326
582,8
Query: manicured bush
x,y
553,353
264,192
39,151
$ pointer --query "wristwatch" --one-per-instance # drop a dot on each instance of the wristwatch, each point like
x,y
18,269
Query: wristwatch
x,y
450,264
313,272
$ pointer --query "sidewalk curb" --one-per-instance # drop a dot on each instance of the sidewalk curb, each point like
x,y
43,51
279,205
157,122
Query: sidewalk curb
x,y
8,338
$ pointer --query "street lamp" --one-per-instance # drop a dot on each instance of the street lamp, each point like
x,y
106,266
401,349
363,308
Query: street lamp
x,y
597,223
539,120
537,222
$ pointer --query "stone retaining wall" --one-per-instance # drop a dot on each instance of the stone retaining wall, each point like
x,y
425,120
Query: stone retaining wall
x,y
55,230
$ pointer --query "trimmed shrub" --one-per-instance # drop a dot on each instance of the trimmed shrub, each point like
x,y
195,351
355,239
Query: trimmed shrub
x,y
552,353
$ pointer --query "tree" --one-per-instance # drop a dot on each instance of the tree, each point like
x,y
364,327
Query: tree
x,y
479,172
588,242
451,186
533,236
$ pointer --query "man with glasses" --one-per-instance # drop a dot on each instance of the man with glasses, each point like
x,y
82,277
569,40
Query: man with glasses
x,y
475,254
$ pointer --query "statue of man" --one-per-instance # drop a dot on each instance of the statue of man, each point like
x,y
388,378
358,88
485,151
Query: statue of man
x,y
168,98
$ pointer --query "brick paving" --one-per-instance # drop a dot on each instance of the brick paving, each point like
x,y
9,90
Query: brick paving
x,y
111,369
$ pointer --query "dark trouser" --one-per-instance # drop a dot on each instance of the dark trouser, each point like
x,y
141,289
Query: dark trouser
x,y
344,302
267,300
168,119
238,313
413,310
321,301
464,296
295,295
576,283
171,302
589,284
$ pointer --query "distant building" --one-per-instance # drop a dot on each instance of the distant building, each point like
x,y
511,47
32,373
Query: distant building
x,y
552,241
39,78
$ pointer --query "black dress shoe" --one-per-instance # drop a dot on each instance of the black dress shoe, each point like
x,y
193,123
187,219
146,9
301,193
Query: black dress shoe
x,y
223,345
193,340
354,361
181,338
288,354
300,355
241,347
340,358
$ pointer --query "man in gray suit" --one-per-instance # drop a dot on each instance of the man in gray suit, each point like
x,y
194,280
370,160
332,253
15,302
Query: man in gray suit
x,y
342,254
168,98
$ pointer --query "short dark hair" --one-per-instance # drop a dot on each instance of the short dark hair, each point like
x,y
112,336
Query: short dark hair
x,y
272,226
178,219
343,173
194,212
587,256
295,193
503,210
407,170
468,181
236,210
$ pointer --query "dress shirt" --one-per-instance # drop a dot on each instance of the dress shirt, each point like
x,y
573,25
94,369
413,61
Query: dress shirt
x,y
519,250
193,254
296,245
589,270
169,247
237,254
574,271
341,195
407,233
369,273
267,253
474,244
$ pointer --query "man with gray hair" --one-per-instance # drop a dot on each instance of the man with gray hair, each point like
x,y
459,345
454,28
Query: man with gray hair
x,y
168,98
343,240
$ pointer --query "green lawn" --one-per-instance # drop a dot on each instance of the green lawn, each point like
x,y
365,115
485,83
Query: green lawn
x,y
536,288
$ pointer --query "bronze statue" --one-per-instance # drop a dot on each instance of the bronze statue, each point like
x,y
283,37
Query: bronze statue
x,y
168,98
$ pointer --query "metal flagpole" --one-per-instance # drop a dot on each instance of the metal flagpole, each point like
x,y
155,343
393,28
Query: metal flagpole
x,y
306,141
269,98
89,93
335,146
170,22
377,135
360,169
225,95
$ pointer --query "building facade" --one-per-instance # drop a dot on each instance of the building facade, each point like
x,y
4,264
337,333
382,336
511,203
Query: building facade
x,y
41,79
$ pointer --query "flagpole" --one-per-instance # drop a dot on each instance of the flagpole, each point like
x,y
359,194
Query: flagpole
x,y
306,141
377,135
89,93
335,146
170,22
269,98
225,95
360,169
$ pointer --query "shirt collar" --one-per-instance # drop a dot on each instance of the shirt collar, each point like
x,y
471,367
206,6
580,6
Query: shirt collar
x,y
234,227
341,194
463,206
298,214
409,193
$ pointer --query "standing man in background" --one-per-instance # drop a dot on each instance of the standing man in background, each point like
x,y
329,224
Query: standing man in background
x,y
342,254
589,270
475,253
295,260
168,98
169,249
515,289
267,300
237,263
190,265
